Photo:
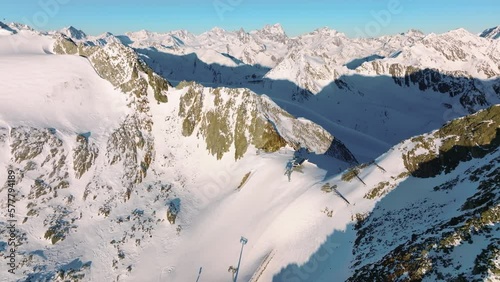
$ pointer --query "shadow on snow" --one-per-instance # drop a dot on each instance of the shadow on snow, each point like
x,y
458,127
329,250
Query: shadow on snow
x,y
368,114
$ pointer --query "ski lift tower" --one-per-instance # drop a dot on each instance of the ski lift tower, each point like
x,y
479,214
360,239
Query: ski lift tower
x,y
243,242
199,274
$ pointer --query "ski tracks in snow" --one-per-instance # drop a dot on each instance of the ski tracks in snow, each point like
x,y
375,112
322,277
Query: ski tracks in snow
x,y
262,267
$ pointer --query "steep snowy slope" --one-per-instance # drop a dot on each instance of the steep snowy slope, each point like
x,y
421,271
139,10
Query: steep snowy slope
x,y
73,83
426,210
451,209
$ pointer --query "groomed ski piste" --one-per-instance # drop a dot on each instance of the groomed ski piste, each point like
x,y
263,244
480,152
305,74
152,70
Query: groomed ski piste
x,y
289,237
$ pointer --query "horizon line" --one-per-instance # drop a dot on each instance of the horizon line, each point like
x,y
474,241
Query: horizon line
x,y
248,31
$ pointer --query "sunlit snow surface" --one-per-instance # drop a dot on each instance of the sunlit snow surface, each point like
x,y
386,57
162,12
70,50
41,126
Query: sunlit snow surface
x,y
44,90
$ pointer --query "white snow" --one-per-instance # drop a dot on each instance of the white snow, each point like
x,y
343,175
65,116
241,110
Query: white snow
x,y
64,92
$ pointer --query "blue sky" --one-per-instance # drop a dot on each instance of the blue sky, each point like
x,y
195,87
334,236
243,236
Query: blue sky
x,y
355,18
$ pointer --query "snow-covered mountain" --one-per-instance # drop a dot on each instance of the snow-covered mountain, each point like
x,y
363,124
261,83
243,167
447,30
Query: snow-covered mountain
x,y
492,33
261,47
120,176
74,33
6,29
313,61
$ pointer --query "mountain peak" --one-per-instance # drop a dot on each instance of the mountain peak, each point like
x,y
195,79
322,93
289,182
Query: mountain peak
x,y
5,29
413,32
181,33
15,27
107,33
459,31
73,33
327,31
492,33
3,26
273,29
323,30
217,30
142,34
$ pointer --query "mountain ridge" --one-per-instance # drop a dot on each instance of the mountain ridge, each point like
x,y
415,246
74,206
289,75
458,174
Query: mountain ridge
x,y
493,33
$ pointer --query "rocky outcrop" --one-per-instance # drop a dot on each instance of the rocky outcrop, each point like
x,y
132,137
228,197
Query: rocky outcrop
x,y
426,243
26,149
132,144
428,253
237,118
461,140
84,155
119,65
492,33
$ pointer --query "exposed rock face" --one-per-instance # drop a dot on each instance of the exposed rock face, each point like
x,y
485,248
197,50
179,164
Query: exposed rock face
x,y
472,92
40,154
492,33
84,155
433,250
461,140
236,118
132,144
429,252
27,146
